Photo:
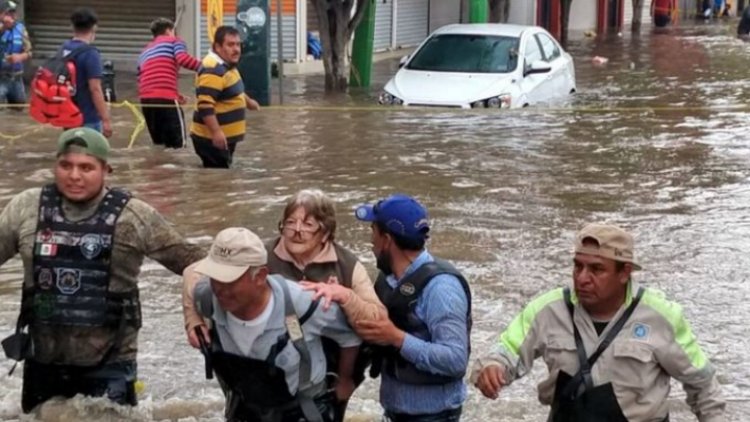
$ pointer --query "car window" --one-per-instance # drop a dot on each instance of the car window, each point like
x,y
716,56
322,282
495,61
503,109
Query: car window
x,y
467,53
549,47
532,52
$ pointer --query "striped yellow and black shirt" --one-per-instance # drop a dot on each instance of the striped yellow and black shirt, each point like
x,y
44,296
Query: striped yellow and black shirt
x,y
220,91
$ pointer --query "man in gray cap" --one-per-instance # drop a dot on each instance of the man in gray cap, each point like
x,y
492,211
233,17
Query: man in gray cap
x,y
82,245
610,345
265,343
15,49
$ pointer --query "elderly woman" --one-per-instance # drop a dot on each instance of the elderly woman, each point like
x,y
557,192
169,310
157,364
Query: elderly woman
x,y
306,251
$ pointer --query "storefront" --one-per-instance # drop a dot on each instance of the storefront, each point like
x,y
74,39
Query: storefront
x,y
123,26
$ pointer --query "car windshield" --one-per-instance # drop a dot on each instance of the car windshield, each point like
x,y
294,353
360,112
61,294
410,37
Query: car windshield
x,y
467,53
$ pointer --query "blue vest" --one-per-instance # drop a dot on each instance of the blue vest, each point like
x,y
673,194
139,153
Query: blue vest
x,y
11,42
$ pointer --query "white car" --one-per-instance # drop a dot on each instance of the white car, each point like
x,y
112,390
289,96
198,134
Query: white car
x,y
483,65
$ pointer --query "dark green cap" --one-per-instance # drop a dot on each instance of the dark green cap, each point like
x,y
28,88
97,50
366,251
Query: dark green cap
x,y
85,141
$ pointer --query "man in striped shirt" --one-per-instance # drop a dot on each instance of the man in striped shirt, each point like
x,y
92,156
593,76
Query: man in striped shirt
x,y
158,70
219,122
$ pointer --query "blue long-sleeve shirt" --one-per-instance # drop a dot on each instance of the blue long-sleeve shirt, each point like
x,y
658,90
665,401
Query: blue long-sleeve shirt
x,y
442,306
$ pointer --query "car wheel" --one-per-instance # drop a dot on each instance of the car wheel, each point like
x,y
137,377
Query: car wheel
x,y
525,105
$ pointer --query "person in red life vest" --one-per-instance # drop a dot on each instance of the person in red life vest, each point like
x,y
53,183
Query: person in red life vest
x,y
662,11
158,71
89,95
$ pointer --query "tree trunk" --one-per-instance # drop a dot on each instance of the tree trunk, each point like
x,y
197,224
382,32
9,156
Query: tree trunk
x,y
635,26
499,11
336,31
564,19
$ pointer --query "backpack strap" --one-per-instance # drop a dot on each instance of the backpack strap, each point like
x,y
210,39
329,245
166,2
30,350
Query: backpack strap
x,y
75,52
306,390
582,380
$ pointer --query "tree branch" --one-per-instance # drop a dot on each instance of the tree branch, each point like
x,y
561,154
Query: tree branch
x,y
359,14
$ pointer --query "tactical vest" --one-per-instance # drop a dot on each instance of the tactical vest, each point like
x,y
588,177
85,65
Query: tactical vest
x,y
401,304
256,389
71,263
343,268
11,42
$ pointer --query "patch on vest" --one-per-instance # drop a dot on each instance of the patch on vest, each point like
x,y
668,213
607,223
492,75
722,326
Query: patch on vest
x,y
44,305
68,280
407,289
91,245
45,280
641,331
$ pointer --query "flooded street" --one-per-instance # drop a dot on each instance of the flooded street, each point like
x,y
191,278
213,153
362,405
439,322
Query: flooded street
x,y
656,141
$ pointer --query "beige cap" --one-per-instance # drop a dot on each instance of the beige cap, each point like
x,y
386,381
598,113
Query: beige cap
x,y
614,243
234,251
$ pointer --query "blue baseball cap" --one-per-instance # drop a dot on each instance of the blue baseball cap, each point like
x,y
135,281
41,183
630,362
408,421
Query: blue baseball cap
x,y
400,214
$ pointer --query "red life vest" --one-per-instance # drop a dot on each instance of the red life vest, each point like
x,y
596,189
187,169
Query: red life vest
x,y
52,91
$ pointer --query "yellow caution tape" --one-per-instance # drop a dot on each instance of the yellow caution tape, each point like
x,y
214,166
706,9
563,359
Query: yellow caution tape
x,y
138,117
141,121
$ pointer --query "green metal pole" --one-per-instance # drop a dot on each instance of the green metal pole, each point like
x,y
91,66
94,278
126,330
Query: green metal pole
x,y
362,49
479,11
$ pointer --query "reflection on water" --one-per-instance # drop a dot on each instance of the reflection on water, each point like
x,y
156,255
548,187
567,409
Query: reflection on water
x,y
506,192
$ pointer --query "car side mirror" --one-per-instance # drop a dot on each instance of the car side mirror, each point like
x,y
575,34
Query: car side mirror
x,y
538,66
403,61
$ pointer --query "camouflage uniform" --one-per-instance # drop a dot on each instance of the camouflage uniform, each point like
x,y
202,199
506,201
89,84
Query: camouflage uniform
x,y
140,231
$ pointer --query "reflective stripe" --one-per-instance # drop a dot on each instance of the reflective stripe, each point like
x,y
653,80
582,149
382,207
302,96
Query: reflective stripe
x,y
683,334
513,337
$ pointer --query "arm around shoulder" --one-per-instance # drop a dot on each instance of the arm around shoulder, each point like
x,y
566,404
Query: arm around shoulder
x,y
364,303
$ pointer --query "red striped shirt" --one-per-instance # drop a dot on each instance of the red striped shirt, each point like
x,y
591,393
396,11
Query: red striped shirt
x,y
159,65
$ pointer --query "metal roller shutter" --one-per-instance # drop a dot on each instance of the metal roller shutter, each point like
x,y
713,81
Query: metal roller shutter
x,y
444,12
383,24
523,13
123,26
412,22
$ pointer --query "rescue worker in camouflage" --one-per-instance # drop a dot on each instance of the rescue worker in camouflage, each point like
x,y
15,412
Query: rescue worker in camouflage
x,y
610,345
82,245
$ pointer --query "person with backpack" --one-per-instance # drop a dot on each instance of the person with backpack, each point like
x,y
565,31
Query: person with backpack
x,y
265,344
89,95
158,71
15,49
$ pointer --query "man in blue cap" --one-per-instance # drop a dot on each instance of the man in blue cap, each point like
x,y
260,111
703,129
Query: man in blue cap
x,y
423,346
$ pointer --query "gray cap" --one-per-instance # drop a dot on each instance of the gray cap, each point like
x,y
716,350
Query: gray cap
x,y
8,6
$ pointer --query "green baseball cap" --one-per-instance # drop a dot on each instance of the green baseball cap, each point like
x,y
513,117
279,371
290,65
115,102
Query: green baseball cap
x,y
83,140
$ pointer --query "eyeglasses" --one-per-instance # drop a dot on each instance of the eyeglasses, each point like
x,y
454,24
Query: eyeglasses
x,y
306,227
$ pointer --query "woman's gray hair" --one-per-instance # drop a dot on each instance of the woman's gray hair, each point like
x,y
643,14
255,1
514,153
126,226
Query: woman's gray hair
x,y
317,205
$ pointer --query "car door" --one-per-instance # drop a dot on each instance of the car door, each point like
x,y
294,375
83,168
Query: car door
x,y
532,85
556,84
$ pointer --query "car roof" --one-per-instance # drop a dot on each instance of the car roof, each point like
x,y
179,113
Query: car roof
x,y
502,29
